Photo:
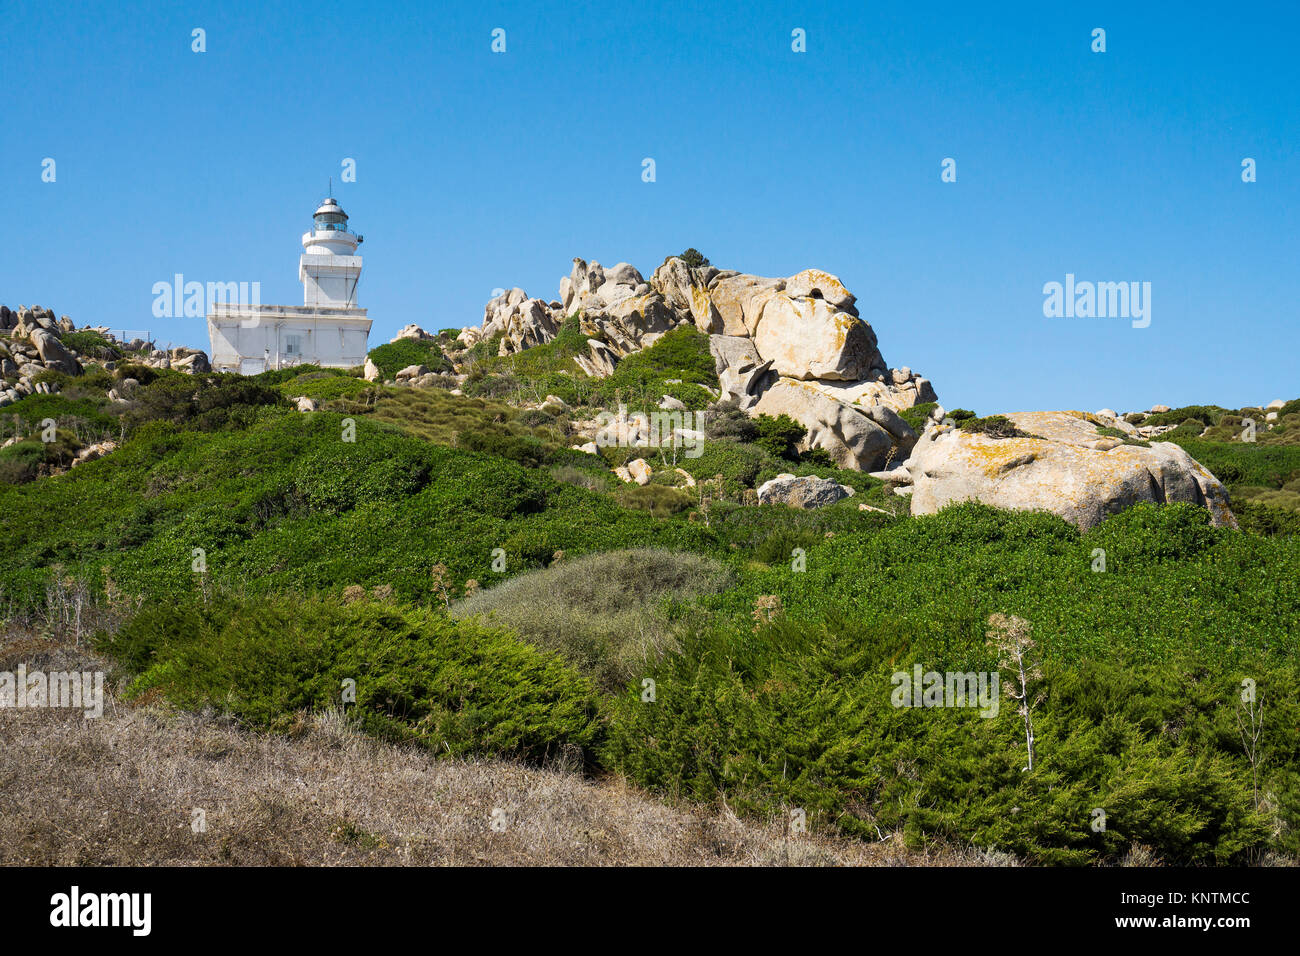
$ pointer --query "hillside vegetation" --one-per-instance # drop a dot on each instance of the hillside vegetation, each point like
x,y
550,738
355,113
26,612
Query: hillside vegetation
x,y
493,592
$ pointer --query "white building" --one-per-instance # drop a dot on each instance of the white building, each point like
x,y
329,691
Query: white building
x,y
327,329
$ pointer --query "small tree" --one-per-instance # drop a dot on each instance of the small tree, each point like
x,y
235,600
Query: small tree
x,y
694,258
780,436
1010,637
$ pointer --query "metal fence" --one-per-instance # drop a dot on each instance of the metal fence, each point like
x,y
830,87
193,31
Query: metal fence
x,y
130,335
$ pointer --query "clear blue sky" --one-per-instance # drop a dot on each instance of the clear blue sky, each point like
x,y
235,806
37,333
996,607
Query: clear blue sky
x,y
478,170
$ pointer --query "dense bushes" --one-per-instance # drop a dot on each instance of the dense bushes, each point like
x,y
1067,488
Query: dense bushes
x,y
681,353
1150,533
1205,414
678,364
779,436
773,675
31,458
205,402
918,415
290,504
1243,463
792,716
322,384
455,687
1260,518
936,579
662,501
395,356
88,342
71,413
1138,716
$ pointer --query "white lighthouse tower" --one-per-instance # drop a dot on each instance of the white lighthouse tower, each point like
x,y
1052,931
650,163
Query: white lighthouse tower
x,y
330,268
328,329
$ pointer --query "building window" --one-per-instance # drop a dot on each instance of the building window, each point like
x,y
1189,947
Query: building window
x,y
293,345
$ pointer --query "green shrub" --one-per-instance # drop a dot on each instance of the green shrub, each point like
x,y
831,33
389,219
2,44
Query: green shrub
x,y
779,436
324,385
660,500
641,379
1150,532
204,402
610,615
1241,463
739,464
1262,518
92,344
918,415
29,459
682,353
1286,498
727,421
1123,436
545,369
817,457
91,416
1204,415
994,426
778,547
525,449
805,716
493,386
593,479
395,356
1142,664
534,417
458,688
286,504
485,349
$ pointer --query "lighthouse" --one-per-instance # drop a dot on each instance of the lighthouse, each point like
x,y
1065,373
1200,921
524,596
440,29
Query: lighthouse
x,y
329,267
328,329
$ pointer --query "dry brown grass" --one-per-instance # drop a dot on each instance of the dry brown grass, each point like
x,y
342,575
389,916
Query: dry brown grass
x,y
120,790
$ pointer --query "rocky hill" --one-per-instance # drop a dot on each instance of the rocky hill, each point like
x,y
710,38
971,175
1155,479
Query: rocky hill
x,y
33,341
798,347
793,346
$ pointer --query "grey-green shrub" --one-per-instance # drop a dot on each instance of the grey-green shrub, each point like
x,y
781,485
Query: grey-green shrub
x,y
609,614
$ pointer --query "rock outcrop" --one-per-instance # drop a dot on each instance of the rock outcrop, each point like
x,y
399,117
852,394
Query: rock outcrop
x,y
637,470
797,346
807,491
1068,468
53,354
412,331
793,346
32,342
